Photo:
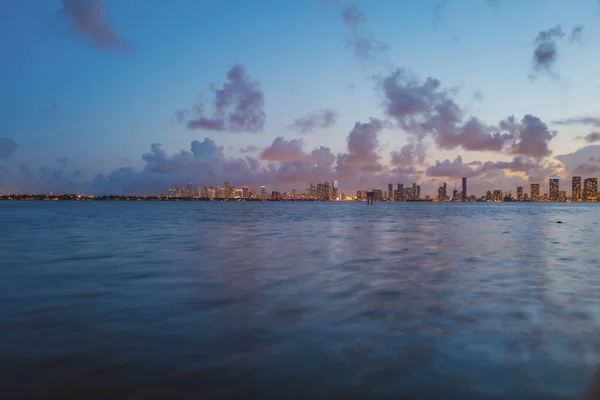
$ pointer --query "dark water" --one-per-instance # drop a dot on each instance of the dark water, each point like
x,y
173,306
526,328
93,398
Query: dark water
x,y
298,300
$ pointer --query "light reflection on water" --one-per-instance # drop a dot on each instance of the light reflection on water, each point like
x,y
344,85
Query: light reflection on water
x,y
299,300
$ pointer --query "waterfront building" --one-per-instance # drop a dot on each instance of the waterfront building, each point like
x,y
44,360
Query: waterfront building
x,y
520,193
590,189
576,188
535,192
464,188
553,185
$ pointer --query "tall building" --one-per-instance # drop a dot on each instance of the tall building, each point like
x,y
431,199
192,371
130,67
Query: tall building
x,y
245,192
326,191
455,195
400,192
418,196
227,190
497,195
534,192
390,194
464,189
488,196
553,184
520,193
334,190
408,193
590,189
576,188
358,195
263,192
414,191
562,196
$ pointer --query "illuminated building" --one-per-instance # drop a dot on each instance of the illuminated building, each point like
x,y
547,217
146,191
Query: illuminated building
x,y
334,190
576,188
535,192
562,196
400,192
378,194
245,192
390,192
455,195
488,196
520,193
464,189
497,195
294,194
358,195
525,197
227,190
590,189
263,192
413,191
418,196
408,193
326,192
276,195
553,189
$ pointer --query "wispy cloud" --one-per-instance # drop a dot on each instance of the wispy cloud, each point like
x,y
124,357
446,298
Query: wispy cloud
x,y
321,119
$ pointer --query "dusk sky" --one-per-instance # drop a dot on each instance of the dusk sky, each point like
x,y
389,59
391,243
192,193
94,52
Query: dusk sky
x,y
135,96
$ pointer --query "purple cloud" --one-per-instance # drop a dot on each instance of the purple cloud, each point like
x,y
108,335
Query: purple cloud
x,y
7,147
239,105
321,119
586,169
546,51
592,137
363,143
409,155
530,136
583,156
451,169
284,150
89,17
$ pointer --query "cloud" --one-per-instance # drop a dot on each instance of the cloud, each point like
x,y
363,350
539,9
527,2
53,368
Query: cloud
x,y
368,48
320,119
239,105
89,17
363,143
365,47
546,51
578,158
353,16
409,155
478,96
531,136
575,35
451,169
7,147
592,121
284,150
586,169
423,108
249,149
590,137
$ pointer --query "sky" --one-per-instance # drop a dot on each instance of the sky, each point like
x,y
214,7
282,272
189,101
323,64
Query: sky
x,y
135,96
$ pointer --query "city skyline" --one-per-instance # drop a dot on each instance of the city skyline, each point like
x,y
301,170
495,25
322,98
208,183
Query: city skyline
x,y
501,92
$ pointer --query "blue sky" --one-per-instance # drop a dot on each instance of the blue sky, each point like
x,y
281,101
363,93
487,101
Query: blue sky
x,y
102,108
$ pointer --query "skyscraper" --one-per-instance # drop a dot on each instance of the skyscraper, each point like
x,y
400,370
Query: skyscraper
x,y
414,191
464,189
590,189
245,192
334,190
520,193
553,195
400,192
263,192
326,191
576,188
418,196
227,190
390,192
497,195
535,192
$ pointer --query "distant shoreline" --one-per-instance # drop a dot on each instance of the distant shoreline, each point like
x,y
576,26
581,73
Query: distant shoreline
x,y
172,199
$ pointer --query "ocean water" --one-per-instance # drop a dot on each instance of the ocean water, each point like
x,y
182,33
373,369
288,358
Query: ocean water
x,y
298,300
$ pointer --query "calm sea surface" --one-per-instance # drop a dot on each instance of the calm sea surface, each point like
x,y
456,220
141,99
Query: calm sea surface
x,y
298,300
